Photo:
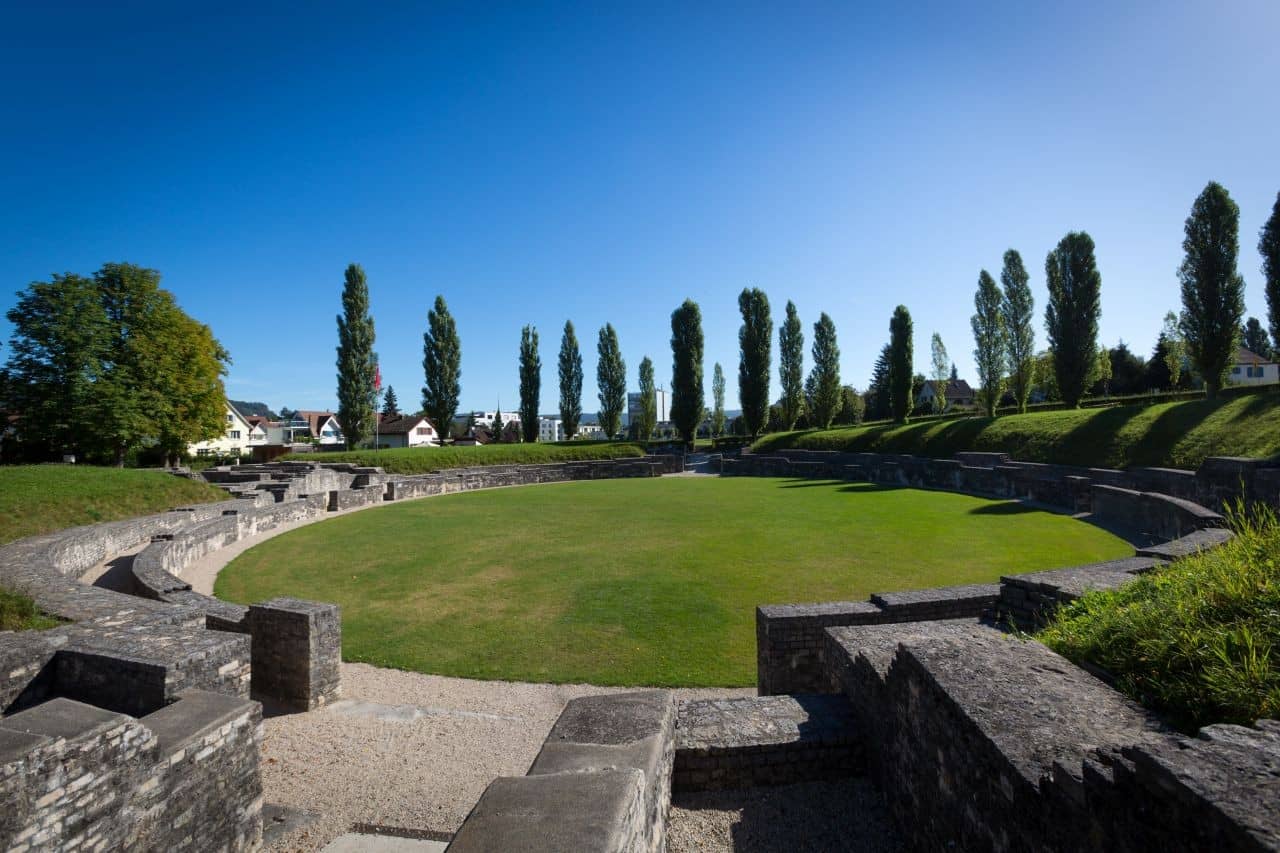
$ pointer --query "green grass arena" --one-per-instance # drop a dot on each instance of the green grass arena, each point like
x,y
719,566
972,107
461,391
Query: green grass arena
x,y
635,582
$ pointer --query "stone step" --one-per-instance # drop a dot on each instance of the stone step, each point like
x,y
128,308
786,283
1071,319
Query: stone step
x,y
765,740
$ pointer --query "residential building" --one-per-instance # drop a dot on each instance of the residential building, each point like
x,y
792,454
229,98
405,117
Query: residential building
x,y
662,402
958,394
407,431
1252,369
238,437
319,427
550,429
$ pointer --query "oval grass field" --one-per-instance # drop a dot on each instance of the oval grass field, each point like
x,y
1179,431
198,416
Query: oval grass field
x,y
635,582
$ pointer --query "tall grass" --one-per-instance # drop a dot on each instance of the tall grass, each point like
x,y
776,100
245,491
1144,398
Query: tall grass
x,y
1198,640
19,613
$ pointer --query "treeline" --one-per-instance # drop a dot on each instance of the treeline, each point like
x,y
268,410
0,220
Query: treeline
x,y
106,366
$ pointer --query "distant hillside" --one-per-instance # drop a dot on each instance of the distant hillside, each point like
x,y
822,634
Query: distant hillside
x,y
255,408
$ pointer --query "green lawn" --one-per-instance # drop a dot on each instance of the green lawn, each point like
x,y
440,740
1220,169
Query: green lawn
x,y
635,582
1177,435
43,498
424,460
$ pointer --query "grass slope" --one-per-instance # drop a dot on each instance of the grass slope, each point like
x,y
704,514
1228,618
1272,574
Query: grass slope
x,y
19,613
424,460
1178,435
631,582
43,498
1198,640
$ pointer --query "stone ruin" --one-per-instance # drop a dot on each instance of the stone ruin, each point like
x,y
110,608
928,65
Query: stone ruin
x,y
137,725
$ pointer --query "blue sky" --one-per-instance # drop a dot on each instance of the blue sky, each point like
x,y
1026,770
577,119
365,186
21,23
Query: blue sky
x,y
536,163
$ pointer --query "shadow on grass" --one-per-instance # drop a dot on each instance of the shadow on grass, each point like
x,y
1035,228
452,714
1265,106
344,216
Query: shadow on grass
x,y
1004,508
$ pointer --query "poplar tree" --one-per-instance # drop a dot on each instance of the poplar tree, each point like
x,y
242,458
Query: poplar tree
x,y
688,400
755,343
791,367
441,365
1212,289
390,405
941,371
1071,317
1175,348
647,420
530,383
1255,338
570,381
356,361
900,364
1269,248
824,379
1018,308
990,344
611,381
717,395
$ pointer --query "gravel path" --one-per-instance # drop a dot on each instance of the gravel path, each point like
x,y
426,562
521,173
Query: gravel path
x,y
409,750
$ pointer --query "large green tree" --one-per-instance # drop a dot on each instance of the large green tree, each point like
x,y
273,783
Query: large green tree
x,y
570,381
187,364
441,367
390,405
647,420
878,408
357,399
824,379
791,367
530,383
1254,338
990,344
1018,308
1269,248
1212,289
900,364
611,381
688,400
1071,317
717,397
755,343
941,372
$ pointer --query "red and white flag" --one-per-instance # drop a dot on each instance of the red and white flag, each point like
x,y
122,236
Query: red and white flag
x,y
377,377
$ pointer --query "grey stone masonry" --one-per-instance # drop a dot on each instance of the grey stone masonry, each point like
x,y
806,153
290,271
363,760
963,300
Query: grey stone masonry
x,y
76,777
765,740
297,652
789,637
602,782
1028,600
982,741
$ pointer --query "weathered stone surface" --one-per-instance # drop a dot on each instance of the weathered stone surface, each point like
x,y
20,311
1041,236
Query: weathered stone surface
x,y
765,740
297,652
1028,600
1192,543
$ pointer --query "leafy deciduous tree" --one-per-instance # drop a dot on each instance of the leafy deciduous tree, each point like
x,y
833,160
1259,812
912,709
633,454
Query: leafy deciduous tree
x,y
1018,308
530,383
900,364
823,385
356,360
688,400
791,367
940,361
570,381
1269,248
1255,338
755,342
648,417
1212,290
717,396
611,381
1071,317
991,346
441,365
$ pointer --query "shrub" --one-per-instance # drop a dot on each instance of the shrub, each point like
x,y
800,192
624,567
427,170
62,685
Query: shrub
x,y
1198,640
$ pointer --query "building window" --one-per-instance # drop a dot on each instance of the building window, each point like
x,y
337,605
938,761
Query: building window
x,y
235,433
424,430
1235,371
230,417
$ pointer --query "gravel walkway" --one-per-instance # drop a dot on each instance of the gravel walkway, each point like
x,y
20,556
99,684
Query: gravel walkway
x,y
408,750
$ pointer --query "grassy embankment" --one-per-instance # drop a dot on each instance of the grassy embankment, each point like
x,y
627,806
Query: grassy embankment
x,y
424,460
1199,640
635,582
44,498
1177,435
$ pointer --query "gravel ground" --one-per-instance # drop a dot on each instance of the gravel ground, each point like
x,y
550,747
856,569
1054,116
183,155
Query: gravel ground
x,y
848,815
423,773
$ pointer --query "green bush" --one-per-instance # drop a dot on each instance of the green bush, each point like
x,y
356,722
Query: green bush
x,y
19,613
1198,640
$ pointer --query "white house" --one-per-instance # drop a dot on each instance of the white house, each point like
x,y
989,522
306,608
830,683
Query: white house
x,y
237,437
322,427
550,429
407,431
1252,369
958,394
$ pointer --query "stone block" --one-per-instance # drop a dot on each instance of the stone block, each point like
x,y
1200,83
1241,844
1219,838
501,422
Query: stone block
x,y
297,652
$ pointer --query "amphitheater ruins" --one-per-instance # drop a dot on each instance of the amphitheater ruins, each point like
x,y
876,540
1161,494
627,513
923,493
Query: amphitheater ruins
x,y
137,725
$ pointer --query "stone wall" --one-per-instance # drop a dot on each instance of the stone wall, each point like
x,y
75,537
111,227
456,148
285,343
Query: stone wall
x,y
602,782
982,741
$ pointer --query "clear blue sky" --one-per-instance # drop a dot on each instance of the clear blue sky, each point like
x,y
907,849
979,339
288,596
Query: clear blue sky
x,y
602,162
